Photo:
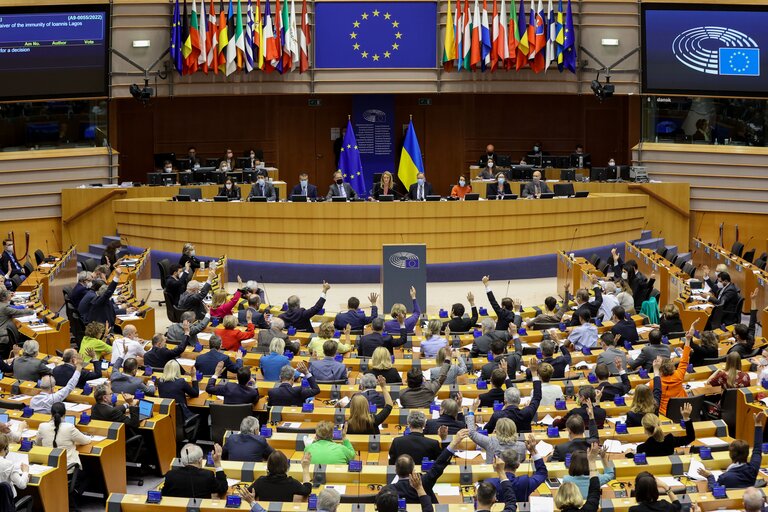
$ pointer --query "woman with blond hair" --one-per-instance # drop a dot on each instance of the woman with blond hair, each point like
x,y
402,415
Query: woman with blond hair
x,y
398,309
361,420
644,402
433,342
669,321
188,255
385,187
732,376
504,436
172,385
625,298
659,445
457,368
232,338
381,365
324,333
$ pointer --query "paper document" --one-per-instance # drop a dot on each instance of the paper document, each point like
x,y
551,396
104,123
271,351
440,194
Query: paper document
x,y
76,407
27,319
97,382
634,354
469,454
614,446
584,365
232,481
185,362
446,490
693,470
712,441
467,402
544,449
204,336
97,439
291,424
18,398
541,504
672,482
18,458
341,489
547,420
618,419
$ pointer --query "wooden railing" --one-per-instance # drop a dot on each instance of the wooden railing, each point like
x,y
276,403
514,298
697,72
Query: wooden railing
x,y
663,200
86,208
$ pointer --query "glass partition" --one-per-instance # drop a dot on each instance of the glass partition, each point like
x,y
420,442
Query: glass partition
x,y
28,126
703,120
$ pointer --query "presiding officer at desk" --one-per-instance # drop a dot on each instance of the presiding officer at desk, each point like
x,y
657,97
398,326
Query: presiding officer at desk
x,y
262,188
230,190
304,188
339,188
535,188
421,189
462,189
385,187
498,189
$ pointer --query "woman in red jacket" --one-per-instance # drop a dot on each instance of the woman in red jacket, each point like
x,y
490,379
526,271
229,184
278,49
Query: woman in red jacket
x,y
231,336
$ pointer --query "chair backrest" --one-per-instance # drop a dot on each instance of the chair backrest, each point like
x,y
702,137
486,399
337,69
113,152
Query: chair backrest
x,y
6,497
740,306
737,248
90,264
661,251
675,406
689,269
164,266
728,408
712,360
28,267
227,417
760,263
39,256
170,310
749,255
594,259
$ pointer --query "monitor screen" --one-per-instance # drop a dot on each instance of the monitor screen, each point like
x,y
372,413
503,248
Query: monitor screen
x,y
705,49
145,408
54,52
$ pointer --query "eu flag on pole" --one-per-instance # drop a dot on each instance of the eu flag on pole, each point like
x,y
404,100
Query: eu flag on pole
x,y
350,165
400,34
176,42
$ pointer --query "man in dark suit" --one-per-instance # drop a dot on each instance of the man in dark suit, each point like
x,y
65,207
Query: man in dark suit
x,y
377,338
104,410
9,265
63,372
244,392
191,480
624,327
421,189
496,393
368,385
101,309
650,352
548,356
305,188
611,390
208,363
450,417
583,303
726,296
512,410
257,317
81,288
292,396
509,361
340,188
458,323
415,444
247,445
192,299
159,354
404,466
354,318
176,283
576,440
536,187
588,408
300,318
580,159
263,188
498,188
505,314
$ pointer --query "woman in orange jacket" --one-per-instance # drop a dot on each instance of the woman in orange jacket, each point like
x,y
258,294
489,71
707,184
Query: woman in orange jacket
x,y
672,379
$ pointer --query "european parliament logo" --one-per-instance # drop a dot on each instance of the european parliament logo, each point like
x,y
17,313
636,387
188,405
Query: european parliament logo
x,y
718,51
404,260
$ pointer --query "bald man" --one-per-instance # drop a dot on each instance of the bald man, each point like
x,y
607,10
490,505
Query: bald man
x,y
535,188
490,154
131,345
754,501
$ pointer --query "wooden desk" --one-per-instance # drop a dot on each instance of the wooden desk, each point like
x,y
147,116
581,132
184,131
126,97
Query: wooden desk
x,y
53,277
49,488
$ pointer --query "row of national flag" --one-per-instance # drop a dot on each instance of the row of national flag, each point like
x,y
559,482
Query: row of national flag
x,y
535,41
222,43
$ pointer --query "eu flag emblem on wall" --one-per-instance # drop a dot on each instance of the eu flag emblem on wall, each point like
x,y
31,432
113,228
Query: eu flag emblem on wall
x,y
740,61
375,35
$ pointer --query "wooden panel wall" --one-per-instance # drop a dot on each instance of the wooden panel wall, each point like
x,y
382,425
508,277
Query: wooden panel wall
x,y
452,132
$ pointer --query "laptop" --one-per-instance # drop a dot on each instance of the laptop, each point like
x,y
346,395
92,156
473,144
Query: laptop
x,y
257,199
547,195
386,198
338,199
471,197
69,419
508,197
145,409
220,199
298,198
183,197
433,198
581,193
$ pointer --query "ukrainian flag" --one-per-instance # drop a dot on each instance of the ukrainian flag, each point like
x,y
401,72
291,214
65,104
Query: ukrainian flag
x,y
410,159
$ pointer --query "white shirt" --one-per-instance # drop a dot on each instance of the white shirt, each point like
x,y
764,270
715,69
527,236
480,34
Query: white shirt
x,y
606,308
550,393
420,194
133,348
342,190
68,438
10,472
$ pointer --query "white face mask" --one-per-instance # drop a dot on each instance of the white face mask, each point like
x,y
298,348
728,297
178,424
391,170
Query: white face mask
x,y
490,165
612,164
191,253
462,183
501,181
261,182
624,275
229,186
303,183
720,284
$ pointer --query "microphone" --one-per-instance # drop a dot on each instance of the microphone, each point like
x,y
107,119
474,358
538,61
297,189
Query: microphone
x,y
47,250
746,244
507,294
573,238
56,239
266,295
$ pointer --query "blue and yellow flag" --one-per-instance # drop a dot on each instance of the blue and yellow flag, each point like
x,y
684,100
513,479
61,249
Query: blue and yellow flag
x,y
410,159
350,165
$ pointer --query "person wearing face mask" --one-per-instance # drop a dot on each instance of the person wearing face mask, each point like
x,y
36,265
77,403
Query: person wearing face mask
x,y
230,190
9,265
421,189
726,295
188,255
498,189
84,281
462,189
229,158
263,188
305,188
490,154
487,172
580,159
255,160
340,188
537,149
535,188
167,166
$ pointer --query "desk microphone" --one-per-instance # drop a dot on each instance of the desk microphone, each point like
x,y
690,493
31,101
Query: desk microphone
x,y
701,223
47,250
55,238
573,238
746,244
507,294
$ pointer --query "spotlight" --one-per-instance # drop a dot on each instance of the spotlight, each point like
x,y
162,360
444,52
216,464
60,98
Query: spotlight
x,y
602,91
142,94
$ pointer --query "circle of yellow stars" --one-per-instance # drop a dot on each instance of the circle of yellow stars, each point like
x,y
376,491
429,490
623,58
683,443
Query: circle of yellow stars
x,y
376,57
343,174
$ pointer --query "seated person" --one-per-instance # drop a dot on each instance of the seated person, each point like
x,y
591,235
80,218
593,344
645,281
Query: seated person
x,y
482,344
272,363
339,188
415,444
257,317
207,363
300,317
63,372
244,392
361,420
387,186
588,407
398,310
672,378
669,321
127,381
584,335
13,473
740,473
57,433
732,376
575,426
609,389
496,393
583,463
276,485
650,352
247,445
450,417
487,172
522,416
659,445
160,354
328,369
459,324
191,480
233,338
624,327
499,188
549,392
193,299
461,189
28,366
103,410
93,342
488,156
292,396
325,451
355,317
420,394
9,265
130,345
551,315
368,384
263,188
188,255
458,368
558,363
230,190
580,159
304,188
43,401
326,332
421,189
255,161
610,353
370,342
228,163
194,160
523,484
535,188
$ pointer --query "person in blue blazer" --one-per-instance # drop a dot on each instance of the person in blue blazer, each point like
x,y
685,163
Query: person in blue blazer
x,y
207,363
305,188
354,318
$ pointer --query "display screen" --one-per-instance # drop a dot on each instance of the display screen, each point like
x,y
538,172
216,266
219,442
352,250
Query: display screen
x,y
698,49
54,52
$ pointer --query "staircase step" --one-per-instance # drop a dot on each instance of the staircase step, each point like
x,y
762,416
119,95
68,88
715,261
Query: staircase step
x,y
649,243
82,256
110,238
97,249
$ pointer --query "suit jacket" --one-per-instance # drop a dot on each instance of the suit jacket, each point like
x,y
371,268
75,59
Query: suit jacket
x,y
492,189
232,392
300,318
106,412
356,319
232,193
529,189
453,424
175,332
311,191
102,309
194,263
413,190
521,416
627,330
462,324
328,369
194,301
416,445
493,395
428,479
175,287
577,444
7,314
378,190
77,294
411,398
374,340
178,390
206,363
63,372
334,191
648,355
592,307
558,363
269,191
606,357
265,338
16,267
194,482
582,411
29,368
482,344
374,398
728,299
288,395
157,357
257,318
246,448
612,390
504,317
